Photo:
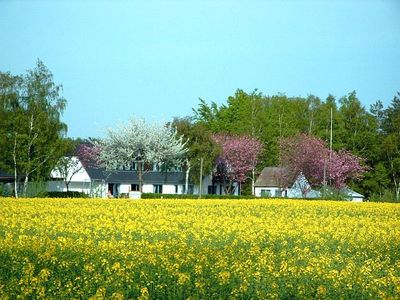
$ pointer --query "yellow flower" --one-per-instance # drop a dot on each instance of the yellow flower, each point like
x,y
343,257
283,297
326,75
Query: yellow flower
x,y
224,277
144,294
183,278
321,290
100,294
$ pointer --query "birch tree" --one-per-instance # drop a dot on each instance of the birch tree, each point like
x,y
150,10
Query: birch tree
x,y
140,143
200,146
67,168
32,130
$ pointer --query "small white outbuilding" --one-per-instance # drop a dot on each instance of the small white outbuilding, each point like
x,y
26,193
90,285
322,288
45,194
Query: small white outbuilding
x,y
277,182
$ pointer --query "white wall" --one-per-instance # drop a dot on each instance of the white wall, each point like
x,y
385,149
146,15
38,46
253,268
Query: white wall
x,y
148,188
294,193
95,189
99,189
290,193
60,186
273,190
124,188
181,188
168,189
355,199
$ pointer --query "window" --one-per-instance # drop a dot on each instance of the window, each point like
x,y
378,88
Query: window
x,y
165,168
157,188
134,187
135,166
278,193
175,169
265,193
176,189
127,167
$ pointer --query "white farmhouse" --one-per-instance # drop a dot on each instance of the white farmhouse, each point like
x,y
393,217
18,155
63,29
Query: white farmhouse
x,y
274,182
98,182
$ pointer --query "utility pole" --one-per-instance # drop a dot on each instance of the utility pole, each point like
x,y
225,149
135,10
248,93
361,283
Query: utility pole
x,y
330,144
331,137
201,177
330,154
324,180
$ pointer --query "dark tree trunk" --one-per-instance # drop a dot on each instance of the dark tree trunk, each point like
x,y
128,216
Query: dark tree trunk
x,y
140,176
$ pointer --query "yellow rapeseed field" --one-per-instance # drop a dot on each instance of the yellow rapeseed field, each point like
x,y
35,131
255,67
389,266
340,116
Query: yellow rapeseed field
x,y
198,249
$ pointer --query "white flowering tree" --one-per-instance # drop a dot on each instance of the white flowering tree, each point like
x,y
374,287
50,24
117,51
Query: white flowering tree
x,y
141,143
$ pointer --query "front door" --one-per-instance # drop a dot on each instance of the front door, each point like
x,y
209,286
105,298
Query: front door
x,y
113,189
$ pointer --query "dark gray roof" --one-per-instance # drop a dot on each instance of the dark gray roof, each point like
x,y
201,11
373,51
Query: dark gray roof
x,y
6,177
132,176
274,177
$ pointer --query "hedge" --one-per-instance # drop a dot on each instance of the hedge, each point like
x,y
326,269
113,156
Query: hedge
x,y
209,196
191,196
69,194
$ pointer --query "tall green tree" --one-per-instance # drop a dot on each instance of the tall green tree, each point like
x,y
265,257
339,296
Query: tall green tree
x,y
358,128
200,146
11,113
207,115
391,143
33,131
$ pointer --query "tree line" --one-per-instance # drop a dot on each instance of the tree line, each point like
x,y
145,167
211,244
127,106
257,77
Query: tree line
x,y
33,138
372,134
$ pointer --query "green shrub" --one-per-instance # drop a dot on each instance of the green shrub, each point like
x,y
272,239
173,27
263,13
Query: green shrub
x,y
191,196
386,196
6,190
330,197
69,194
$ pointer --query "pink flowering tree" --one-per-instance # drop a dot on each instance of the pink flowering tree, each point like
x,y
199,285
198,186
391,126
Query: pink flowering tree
x,y
309,155
89,154
237,160
344,166
304,154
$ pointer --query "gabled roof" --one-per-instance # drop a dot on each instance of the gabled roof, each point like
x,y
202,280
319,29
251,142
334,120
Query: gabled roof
x,y
9,177
352,193
274,177
132,176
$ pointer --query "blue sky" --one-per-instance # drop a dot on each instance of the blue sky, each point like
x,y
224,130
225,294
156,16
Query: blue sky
x,y
154,59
